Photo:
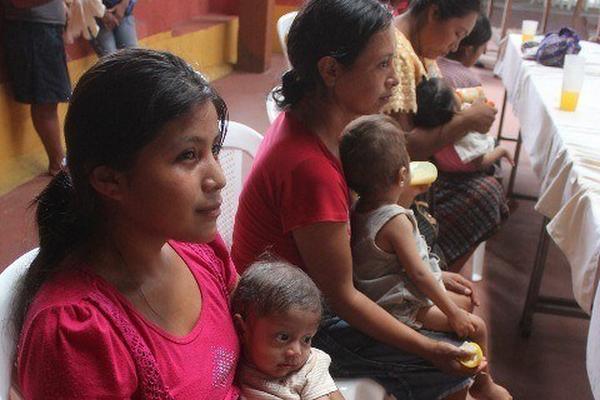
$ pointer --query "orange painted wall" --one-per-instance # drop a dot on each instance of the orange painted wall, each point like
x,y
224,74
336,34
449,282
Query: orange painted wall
x,y
232,6
154,16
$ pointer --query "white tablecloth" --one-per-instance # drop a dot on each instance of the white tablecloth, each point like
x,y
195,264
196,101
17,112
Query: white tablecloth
x,y
564,149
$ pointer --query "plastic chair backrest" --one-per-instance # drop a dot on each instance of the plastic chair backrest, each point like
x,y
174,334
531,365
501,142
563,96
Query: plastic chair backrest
x,y
240,140
362,389
283,27
272,110
8,280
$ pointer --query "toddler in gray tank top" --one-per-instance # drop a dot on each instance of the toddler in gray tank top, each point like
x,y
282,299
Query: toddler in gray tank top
x,y
378,273
391,262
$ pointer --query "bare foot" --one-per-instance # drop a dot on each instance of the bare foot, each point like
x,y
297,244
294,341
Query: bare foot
x,y
485,388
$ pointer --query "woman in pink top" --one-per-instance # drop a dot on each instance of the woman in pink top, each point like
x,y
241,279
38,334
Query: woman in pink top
x,y
128,297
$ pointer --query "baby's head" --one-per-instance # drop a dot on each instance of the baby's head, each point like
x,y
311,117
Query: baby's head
x,y
374,155
436,103
277,310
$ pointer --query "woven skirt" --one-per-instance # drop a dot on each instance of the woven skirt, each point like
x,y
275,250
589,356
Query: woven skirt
x,y
469,209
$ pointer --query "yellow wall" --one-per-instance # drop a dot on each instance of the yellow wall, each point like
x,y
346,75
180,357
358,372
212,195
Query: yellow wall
x,y
212,50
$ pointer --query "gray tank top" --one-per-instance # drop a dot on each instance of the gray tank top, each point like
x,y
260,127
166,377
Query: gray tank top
x,y
378,274
52,12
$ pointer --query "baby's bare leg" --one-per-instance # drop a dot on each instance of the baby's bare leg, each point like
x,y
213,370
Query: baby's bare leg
x,y
484,386
434,319
462,301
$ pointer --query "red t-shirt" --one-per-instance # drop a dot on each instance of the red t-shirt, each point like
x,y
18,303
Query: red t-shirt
x,y
295,182
70,349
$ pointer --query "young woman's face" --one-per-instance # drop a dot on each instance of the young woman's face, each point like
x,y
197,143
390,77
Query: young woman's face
x,y
472,54
279,344
439,37
366,86
173,191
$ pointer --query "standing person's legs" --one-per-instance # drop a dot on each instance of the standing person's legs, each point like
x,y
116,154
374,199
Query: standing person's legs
x,y
46,123
125,34
39,76
104,43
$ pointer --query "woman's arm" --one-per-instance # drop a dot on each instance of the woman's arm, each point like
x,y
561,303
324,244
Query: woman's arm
x,y
325,250
423,142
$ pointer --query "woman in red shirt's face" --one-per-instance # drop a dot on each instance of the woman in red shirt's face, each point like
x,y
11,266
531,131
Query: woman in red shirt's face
x,y
365,86
344,69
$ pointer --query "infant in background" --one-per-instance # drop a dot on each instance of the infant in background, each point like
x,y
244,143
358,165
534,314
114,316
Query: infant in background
x,y
277,310
436,105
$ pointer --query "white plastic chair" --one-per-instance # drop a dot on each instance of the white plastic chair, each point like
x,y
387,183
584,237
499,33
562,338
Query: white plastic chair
x,y
8,281
272,110
362,389
283,27
478,259
240,140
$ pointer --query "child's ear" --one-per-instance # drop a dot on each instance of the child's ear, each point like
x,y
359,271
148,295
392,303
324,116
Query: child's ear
x,y
239,323
107,182
403,177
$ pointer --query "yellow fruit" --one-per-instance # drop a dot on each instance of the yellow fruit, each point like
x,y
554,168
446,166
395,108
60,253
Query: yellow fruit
x,y
475,355
469,95
422,173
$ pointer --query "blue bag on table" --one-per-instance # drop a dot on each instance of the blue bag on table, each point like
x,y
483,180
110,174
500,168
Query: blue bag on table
x,y
556,45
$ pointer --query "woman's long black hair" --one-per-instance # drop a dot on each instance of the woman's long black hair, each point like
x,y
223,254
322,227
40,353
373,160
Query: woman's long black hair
x,y
118,107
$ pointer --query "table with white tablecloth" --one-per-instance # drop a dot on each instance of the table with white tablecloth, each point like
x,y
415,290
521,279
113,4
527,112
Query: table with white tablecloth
x,y
564,148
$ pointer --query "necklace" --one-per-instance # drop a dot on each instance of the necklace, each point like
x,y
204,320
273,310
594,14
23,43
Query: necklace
x,y
143,296
139,289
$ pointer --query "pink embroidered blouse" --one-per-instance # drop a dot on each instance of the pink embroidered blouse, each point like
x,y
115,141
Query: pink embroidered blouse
x,y
70,348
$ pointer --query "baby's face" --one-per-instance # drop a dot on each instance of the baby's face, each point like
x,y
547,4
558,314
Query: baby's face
x,y
279,344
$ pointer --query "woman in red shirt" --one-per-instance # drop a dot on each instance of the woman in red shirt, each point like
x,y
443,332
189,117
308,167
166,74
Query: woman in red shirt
x,y
295,202
128,297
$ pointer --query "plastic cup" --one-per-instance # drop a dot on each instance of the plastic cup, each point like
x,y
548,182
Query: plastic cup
x,y
573,73
529,29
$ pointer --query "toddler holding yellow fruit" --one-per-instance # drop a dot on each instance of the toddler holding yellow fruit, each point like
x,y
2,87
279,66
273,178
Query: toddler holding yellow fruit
x,y
391,262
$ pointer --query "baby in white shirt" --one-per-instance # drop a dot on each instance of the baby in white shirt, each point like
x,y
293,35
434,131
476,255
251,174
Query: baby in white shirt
x,y
277,310
437,104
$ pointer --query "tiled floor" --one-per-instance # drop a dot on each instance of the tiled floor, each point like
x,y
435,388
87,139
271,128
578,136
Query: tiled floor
x,y
550,365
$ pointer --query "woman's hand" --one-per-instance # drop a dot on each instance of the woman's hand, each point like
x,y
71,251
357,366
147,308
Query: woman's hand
x,y
109,20
480,116
119,10
445,356
459,284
